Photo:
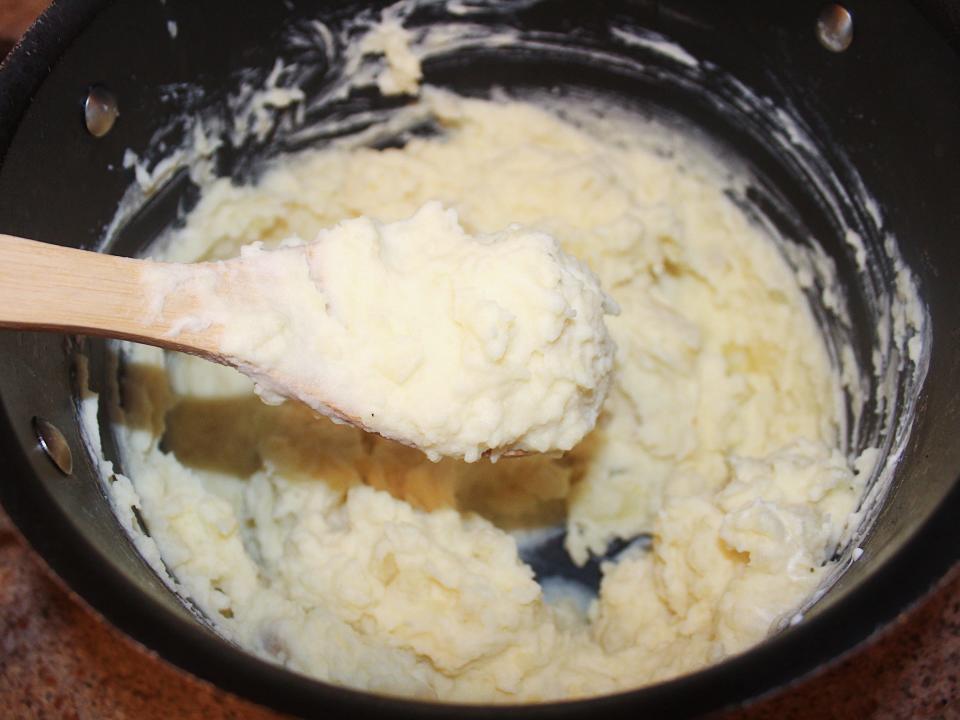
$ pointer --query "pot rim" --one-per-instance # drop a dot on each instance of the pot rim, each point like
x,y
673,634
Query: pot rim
x,y
824,638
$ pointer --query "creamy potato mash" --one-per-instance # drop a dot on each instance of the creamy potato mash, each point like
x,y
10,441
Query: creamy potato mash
x,y
361,562
457,345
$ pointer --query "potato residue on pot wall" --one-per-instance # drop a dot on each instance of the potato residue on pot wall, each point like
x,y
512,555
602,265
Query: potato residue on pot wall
x,y
361,562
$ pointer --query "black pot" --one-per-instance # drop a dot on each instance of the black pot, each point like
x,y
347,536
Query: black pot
x,y
887,111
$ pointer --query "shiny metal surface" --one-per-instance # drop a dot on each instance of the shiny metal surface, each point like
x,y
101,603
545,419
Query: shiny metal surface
x,y
54,444
835,28
100,110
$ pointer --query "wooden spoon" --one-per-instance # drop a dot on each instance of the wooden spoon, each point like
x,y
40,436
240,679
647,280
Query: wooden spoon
x,y
48,287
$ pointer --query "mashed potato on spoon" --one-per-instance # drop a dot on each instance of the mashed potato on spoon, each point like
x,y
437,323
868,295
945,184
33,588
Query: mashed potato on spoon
x,y
457,345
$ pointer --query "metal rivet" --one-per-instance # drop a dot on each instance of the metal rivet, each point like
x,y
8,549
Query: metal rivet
x,y
100,110
54,444
835,28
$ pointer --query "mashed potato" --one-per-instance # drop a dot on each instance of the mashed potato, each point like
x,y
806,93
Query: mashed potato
x,y
457,345
361,562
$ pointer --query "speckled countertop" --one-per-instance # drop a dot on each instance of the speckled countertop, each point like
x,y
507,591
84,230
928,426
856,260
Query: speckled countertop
x,y
60,660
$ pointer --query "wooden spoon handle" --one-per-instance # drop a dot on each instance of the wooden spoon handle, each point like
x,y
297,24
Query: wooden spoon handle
x,y
48,287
